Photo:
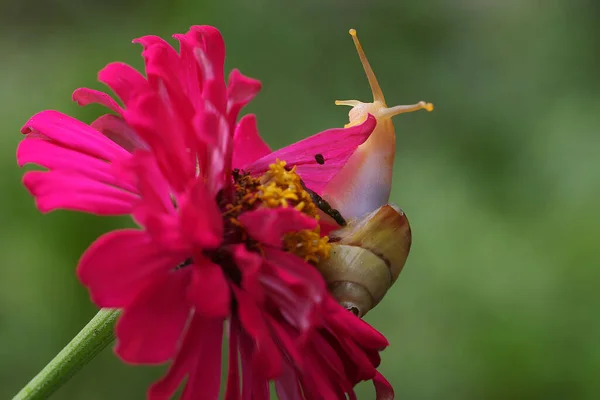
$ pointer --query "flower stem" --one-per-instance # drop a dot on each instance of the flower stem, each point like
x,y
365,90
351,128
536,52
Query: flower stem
x,y
92,339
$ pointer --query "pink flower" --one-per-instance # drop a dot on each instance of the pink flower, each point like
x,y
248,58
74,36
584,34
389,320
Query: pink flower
x,y
228,232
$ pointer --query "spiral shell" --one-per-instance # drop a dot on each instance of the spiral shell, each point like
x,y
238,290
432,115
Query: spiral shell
x,y
367,255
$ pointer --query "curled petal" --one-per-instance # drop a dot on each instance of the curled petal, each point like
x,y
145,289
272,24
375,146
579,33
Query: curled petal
x,y
383,389
85,96
50,155
66,190
148,116
335,145
240,91
124,80
117,130
248,146
69,132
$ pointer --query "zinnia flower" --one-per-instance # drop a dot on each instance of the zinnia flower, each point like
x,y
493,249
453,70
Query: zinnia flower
x,y
229,236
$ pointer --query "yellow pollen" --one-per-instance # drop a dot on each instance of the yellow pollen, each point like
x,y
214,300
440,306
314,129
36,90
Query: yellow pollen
x,y
282,187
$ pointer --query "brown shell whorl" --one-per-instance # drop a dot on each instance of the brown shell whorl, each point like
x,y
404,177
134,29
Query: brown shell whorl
x,y
366,258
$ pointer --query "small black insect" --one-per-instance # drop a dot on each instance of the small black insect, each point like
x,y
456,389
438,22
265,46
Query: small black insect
x,y
320,159
324,206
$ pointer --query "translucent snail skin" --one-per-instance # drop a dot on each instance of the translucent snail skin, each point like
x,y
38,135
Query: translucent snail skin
x,y
367,254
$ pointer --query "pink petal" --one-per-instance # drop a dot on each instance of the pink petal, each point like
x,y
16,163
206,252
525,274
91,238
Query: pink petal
x,y
124,80
74,134
254,386
151,184
330,360
85,96
215,139
295,287
353,327
240,91
316,384
266,361
54,157
150,328
148,116
268,225
383,389
209,290
71,191
204,382
121,263
200,357
286,385
249,263
248,146
191,73
335,145
201,220
182,364
209,49
115,128
233,373
163,72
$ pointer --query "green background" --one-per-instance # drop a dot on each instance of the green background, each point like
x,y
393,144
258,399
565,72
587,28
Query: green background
x,y
500,295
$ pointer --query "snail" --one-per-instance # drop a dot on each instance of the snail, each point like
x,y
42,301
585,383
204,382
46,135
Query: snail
x,y
369,252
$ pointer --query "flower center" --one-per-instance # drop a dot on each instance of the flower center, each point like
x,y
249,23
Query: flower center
x,y
280,186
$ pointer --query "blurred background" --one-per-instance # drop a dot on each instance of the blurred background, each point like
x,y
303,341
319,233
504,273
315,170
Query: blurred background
x,y
500,297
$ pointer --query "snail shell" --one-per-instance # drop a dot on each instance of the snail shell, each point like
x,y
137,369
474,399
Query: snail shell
x,y
367,255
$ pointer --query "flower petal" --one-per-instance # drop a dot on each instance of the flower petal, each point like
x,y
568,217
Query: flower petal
x,y
249,264
71,191
149,117
201,220
268,225
240,91
150,328
248,146
383,389
209,290
124,80
232,391
204,381
200,358
119,264
117,130
266,359
50,155
286,385
295,287
209,51
335,145
69,132
85,96
254,386
355,328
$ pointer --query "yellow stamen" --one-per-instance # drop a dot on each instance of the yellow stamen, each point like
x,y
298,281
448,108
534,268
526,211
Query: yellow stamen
x,y
281,187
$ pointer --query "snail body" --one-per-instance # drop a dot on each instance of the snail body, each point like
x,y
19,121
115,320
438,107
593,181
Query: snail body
x,y
367,254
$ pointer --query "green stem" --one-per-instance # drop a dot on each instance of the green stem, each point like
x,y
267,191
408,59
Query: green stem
x,y
92,339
